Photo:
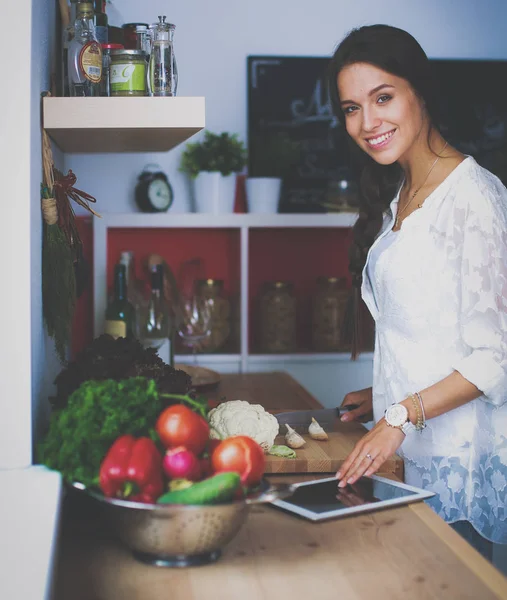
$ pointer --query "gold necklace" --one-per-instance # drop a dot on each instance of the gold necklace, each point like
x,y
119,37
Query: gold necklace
x,y
399,213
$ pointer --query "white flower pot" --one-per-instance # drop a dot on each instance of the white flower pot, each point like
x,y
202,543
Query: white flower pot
x,y
214,193
263,194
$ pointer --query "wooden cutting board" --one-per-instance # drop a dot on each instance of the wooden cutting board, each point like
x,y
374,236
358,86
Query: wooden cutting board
x,y
324,457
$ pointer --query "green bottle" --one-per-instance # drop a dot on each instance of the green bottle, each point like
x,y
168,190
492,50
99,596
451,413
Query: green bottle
x,y
120,314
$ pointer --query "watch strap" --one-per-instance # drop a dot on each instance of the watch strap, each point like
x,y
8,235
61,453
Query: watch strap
x,y
408,427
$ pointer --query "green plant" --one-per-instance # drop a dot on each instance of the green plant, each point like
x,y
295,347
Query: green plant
x,y
222,152
273,154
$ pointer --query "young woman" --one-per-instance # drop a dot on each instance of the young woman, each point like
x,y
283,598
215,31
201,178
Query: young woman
x,y
429,258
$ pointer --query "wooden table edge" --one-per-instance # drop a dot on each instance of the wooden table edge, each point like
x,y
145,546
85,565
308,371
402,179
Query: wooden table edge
x,y
482,568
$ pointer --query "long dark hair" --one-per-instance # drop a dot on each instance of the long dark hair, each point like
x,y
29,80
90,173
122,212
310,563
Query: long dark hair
x,y
397,52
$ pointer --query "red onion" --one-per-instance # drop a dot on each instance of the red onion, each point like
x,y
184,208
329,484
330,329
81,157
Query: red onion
x,y
180,463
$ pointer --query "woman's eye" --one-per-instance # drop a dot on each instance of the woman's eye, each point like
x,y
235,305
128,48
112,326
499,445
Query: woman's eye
x,y
348,110
384,98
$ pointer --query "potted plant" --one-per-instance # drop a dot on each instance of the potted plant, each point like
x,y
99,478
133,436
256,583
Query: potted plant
x,y
272,156
212,164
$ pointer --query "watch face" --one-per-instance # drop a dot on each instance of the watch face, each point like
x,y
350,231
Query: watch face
x,y
159,194
396,415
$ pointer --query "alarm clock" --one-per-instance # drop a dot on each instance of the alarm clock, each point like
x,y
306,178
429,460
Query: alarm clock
x,y
153,191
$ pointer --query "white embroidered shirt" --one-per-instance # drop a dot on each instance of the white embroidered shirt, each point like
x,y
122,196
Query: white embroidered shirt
x,y
438,294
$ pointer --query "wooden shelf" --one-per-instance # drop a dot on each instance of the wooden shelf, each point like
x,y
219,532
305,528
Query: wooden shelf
x,y
85,125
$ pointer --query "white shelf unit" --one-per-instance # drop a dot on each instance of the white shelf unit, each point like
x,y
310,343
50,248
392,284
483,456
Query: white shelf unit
x,y
320,373
122,124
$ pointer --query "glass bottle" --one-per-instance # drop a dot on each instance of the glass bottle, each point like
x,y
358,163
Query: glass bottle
x,y
84,55
67,37
100,21
162,69
135,288
120,315
157,326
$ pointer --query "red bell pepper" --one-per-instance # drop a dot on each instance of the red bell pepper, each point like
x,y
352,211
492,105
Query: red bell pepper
x,y
132,469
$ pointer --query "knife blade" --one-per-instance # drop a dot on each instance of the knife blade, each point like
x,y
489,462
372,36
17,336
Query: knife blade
x,y
301,419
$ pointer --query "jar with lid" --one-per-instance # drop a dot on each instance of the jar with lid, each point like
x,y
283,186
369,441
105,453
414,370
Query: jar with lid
x,y
128,73
213,291
277,317
328,312
105,89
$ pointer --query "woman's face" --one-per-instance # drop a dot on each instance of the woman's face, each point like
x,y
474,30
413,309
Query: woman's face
x,y
383,114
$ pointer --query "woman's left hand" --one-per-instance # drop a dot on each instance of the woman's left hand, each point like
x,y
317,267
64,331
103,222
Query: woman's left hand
x,y
369,454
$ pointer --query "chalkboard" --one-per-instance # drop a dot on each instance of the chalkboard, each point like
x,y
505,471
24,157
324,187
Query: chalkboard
x,y
288,100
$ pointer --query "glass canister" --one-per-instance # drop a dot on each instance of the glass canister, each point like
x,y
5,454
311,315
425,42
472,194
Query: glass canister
x,y
162,69
213,291
128,73
277,317
328,311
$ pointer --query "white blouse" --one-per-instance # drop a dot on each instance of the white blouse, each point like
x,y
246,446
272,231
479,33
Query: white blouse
x,y
438,294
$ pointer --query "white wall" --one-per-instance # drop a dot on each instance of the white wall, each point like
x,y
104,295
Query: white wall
x,y
213,39
44,362
15,393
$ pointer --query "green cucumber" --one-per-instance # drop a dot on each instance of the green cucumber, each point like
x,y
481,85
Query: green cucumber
x,y
217,488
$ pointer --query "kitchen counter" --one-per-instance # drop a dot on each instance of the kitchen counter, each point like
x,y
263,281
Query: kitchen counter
x,y
406,552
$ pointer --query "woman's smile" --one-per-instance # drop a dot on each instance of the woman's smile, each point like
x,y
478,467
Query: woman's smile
x,y
380,141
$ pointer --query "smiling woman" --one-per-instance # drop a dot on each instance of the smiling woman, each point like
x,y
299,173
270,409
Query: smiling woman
x,y
433,273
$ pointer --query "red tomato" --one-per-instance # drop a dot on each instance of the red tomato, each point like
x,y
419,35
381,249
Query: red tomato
x,y
241,454
178,425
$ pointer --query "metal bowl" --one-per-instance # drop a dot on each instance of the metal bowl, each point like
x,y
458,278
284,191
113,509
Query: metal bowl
x,y
171,535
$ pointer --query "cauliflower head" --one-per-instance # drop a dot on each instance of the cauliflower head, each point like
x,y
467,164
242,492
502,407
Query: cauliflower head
x,y
239,417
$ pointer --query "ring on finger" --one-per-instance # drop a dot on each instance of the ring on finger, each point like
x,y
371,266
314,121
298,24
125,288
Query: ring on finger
x,y
369,456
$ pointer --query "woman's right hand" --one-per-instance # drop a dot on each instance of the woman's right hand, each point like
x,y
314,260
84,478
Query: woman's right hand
x,y
364,401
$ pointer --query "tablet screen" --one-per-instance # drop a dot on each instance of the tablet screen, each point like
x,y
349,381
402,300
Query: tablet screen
x,y
322,499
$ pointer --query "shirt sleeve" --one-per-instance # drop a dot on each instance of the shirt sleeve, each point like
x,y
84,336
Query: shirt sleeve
x,y
481,230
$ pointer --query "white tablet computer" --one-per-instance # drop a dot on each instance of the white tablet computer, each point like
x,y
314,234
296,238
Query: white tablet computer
x,y
323,499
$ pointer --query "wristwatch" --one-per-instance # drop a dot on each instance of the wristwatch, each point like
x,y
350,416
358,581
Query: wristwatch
x,y
396,415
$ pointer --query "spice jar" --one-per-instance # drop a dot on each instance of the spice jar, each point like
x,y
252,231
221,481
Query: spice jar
x,y
328,311
128,73
213,291
130,34
105,84
277,317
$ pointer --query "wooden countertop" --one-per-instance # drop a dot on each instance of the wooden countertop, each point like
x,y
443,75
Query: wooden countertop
x,y
275,391
406,552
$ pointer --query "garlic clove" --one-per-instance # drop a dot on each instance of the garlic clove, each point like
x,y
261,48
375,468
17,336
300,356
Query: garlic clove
x,y
293,439
316,432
